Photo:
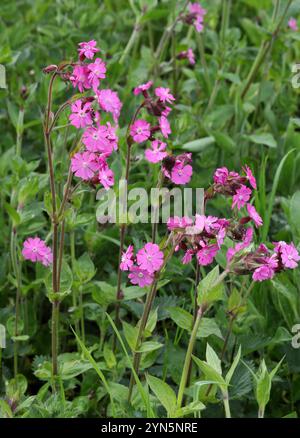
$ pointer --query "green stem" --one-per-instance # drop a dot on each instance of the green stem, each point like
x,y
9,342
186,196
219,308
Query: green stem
x,y
20,130
156,209
197,279
143,322
226,404
54,324
81,315
261,412
132,40
184,376
225,20
263,51
74,297
167,35
142,325
201,50
61,250
123,226
55,283
17,273
188,357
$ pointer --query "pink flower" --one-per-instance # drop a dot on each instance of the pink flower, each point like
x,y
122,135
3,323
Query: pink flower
x,y
47,257
81,114
176,222
187,54
198,13
140,131
35,249
87,50
106,177
100,139
187,258
254,215
196,8
289,256
166,111
241,197
140,277
221,236
181,174
272,261
206,255
80,78
142,87
157,152
164,94
97,71
250,176
199,224
84,165
211,223
292,23
164,126
190,56
262,273
150,258
221,175
109,101
127,259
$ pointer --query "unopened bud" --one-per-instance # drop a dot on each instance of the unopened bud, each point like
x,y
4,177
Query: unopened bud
x,y
50,68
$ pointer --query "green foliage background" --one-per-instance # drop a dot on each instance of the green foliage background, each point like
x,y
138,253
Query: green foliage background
x,y
213,119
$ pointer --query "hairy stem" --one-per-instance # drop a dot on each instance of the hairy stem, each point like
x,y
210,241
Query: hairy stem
x,y
143,322
197,278
55,283
123,226
74,296
188,357
17,272
226,404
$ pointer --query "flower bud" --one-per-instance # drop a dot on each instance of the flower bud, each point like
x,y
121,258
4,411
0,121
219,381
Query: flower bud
x,y
50,68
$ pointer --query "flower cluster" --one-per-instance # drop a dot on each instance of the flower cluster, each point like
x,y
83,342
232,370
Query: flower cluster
x,y
177,169
144,265
157,106
201,237
100,140
262,263
36,250
239,187
195,16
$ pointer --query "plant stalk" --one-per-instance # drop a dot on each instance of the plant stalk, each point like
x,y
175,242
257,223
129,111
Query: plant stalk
x,y
188,357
